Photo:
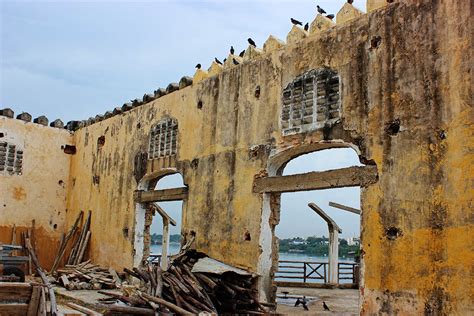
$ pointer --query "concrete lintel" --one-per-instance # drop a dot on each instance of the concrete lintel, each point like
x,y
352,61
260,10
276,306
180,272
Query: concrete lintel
x,y
161,195
325,217
339,178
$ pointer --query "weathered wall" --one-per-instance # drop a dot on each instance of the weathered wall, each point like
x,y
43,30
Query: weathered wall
x,y
406,107
39,192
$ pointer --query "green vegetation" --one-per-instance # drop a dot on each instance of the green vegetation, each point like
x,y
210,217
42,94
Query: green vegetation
x,y
156,239
316,246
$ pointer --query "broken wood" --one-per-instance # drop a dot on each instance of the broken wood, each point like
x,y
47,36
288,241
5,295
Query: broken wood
x,y
164,195
339,178
83,309
345,208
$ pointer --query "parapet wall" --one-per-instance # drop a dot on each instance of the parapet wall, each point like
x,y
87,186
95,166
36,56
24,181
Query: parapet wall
x,y
403,100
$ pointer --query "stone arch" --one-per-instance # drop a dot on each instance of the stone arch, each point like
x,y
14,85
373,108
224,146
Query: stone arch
x,y
147,183
271,208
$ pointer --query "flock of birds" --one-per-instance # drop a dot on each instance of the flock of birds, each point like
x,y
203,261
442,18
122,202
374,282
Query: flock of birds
x,y
252,42
304,302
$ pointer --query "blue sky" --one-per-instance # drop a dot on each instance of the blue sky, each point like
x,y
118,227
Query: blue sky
x,y
75,59
72,60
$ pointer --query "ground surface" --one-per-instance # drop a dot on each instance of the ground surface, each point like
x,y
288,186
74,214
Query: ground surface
x,y
339,301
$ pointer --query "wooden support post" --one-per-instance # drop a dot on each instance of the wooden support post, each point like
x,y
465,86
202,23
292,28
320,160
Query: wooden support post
x,y
165,244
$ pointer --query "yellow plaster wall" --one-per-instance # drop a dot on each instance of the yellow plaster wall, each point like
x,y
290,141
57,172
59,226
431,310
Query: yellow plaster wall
x,y
39,193
417,73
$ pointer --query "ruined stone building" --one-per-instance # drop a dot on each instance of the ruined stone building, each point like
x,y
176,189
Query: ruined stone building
x,y
394,85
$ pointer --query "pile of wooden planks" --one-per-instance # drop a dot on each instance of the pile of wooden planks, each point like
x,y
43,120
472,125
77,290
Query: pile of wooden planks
x,y
181,291
22,299
87,276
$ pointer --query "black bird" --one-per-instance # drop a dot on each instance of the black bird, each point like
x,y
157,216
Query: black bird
x,y
306,26
320,10
251,42
242,53
232,50
326,308
296,22
198,66
225,59
235,61
350,1
330,16
303,302
217,61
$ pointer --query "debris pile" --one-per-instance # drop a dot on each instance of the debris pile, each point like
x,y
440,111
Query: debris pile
x,y
87,276
193,283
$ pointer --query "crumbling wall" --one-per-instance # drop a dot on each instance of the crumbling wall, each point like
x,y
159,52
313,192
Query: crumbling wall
x,y
405,103
34,171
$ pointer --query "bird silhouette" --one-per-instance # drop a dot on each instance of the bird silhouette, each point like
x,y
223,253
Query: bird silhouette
x,y
330,16
296,22
303,302
242,53
232,50
350,1
198,66
225,59
235,61
326,308
320,10
306,26
217,61
251,42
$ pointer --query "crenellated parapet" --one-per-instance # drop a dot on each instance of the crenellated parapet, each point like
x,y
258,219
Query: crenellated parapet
x,y
320,24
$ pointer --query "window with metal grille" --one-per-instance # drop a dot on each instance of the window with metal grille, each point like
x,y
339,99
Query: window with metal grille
x,y
11,159
310,102
163,139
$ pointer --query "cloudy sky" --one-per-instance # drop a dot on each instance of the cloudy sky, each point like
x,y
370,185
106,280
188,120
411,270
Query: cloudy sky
x,y
75,59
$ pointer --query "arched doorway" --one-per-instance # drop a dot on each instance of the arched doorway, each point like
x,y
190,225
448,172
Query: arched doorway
x,y
160,207
277,184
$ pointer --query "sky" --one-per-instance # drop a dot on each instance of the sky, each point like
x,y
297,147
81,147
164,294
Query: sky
x,y
76,59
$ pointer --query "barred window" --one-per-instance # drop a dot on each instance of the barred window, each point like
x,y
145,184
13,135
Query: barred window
x,y
310,101
11,159
163,139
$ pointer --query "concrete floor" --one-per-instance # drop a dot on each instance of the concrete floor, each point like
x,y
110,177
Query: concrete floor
x,y
339,301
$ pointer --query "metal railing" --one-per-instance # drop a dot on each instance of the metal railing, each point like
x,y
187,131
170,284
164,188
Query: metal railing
x,y
315,272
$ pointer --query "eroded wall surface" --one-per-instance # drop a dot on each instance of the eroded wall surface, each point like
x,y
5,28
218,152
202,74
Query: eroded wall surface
x,y
405,104
34,185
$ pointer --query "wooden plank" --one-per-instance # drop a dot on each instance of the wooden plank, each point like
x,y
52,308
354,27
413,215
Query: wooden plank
x,y
339,178
345,208
164,195
33,305
315,285
164,215
15,291
83,309
13,309
325,217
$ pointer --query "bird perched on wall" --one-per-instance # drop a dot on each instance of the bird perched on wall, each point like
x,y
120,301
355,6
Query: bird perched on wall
x,y
306,26
350,1
320,10
330,16
296,22
303,302
235,61
326,308
198,66
217,61
242,53
232,51
251,42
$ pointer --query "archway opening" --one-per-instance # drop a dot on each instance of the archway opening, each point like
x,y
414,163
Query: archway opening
x,y
312,203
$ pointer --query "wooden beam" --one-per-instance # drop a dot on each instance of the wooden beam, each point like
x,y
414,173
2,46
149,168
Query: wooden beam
x,y
339,178
164,215
345,208
325,216
164,195
315,285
